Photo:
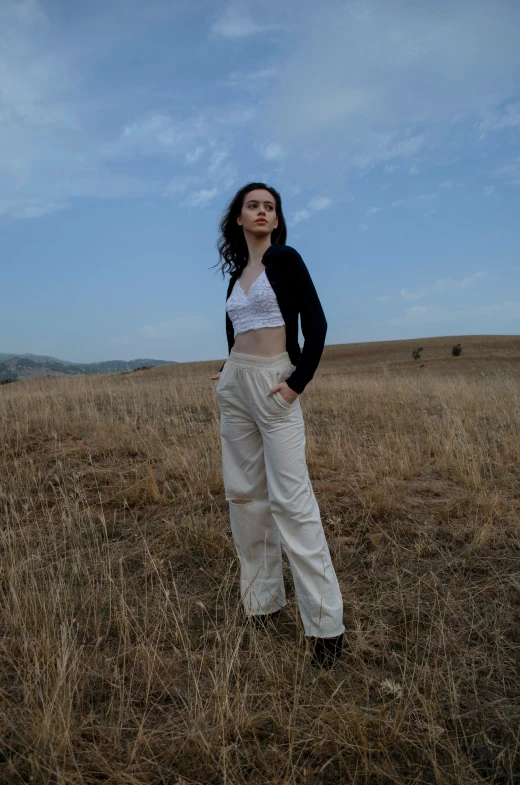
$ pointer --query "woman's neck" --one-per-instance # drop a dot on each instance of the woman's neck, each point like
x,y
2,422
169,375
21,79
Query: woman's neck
x,y
256,254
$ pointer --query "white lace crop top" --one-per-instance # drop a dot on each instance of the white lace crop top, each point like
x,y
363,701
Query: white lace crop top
x,y
259,308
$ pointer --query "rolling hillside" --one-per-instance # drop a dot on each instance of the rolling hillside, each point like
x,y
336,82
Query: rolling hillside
x,y
31,366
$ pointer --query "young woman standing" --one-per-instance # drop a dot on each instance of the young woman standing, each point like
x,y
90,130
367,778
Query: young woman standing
x,y
271,500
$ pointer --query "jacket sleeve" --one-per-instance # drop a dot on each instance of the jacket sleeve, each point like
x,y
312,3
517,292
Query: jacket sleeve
x,y
313,324
230,334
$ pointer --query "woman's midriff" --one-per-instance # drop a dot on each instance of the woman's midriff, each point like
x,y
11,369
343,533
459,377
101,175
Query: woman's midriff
x,y
266,342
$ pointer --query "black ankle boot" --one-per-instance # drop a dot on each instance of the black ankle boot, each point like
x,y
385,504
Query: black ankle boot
x,y
261,620
326,651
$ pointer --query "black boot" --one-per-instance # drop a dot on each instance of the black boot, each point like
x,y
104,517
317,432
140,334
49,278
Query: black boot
x,y
261,620
326,651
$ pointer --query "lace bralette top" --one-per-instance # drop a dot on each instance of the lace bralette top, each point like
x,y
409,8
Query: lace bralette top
x,y
258,308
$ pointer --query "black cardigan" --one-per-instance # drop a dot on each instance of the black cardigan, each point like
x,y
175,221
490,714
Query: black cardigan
x,y
295,292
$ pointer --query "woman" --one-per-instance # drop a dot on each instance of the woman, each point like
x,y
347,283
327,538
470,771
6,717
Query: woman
x,y
271,500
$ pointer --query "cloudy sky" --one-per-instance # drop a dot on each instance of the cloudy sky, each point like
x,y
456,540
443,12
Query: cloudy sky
x,y
391,129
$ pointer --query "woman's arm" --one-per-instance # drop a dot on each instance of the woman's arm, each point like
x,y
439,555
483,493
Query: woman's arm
x,y
230,336
313,324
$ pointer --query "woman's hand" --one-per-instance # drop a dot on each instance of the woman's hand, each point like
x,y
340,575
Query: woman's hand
x,y
216,377
285,391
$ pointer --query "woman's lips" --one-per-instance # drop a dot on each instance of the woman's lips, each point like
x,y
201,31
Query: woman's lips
x,y
260,221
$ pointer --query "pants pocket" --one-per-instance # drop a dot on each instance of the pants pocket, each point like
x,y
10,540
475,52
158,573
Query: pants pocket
x,y
279,397
220,380
282,376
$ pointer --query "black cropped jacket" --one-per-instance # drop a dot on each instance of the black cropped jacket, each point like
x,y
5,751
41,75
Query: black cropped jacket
x,y
295,292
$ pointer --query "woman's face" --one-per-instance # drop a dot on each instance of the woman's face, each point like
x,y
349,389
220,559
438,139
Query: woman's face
x,y
259,204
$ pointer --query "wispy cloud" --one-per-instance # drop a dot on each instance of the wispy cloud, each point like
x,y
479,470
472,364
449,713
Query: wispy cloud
x,y
252,81
157,133
55,134
178,185
418,316
507,117
445,187
442,285
406,294
60,143
236,21
193,155
270,151
344,85
319,203
175,328
509,309
453,284
384,83
202,197
449,185
169,339
26,209
510,172
314,205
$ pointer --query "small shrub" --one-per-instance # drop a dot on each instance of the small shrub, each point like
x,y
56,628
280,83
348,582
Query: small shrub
x,y
416,354
456,350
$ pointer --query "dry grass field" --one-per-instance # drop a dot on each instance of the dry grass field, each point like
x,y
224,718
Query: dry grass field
x,y
124,655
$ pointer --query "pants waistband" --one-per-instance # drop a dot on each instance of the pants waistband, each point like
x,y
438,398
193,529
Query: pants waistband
x,y
258,363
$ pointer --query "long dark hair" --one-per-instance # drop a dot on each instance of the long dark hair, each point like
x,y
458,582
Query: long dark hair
x,y
232,246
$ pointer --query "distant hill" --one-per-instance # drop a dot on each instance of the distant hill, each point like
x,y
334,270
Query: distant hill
x,y
481,354
30,366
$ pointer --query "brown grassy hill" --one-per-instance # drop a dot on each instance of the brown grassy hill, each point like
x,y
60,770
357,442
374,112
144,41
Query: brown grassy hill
x,y
480,353
487,353
125,657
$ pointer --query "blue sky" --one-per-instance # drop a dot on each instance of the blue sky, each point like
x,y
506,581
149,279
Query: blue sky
x,y
391,129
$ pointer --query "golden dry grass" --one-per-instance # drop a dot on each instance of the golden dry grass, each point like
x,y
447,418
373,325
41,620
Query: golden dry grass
x,y
124,654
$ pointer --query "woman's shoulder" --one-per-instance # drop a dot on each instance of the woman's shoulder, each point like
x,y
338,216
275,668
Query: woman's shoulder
x,y
287,253
286,250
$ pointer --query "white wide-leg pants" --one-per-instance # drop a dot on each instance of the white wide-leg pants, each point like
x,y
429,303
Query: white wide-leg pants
x,y
264,462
